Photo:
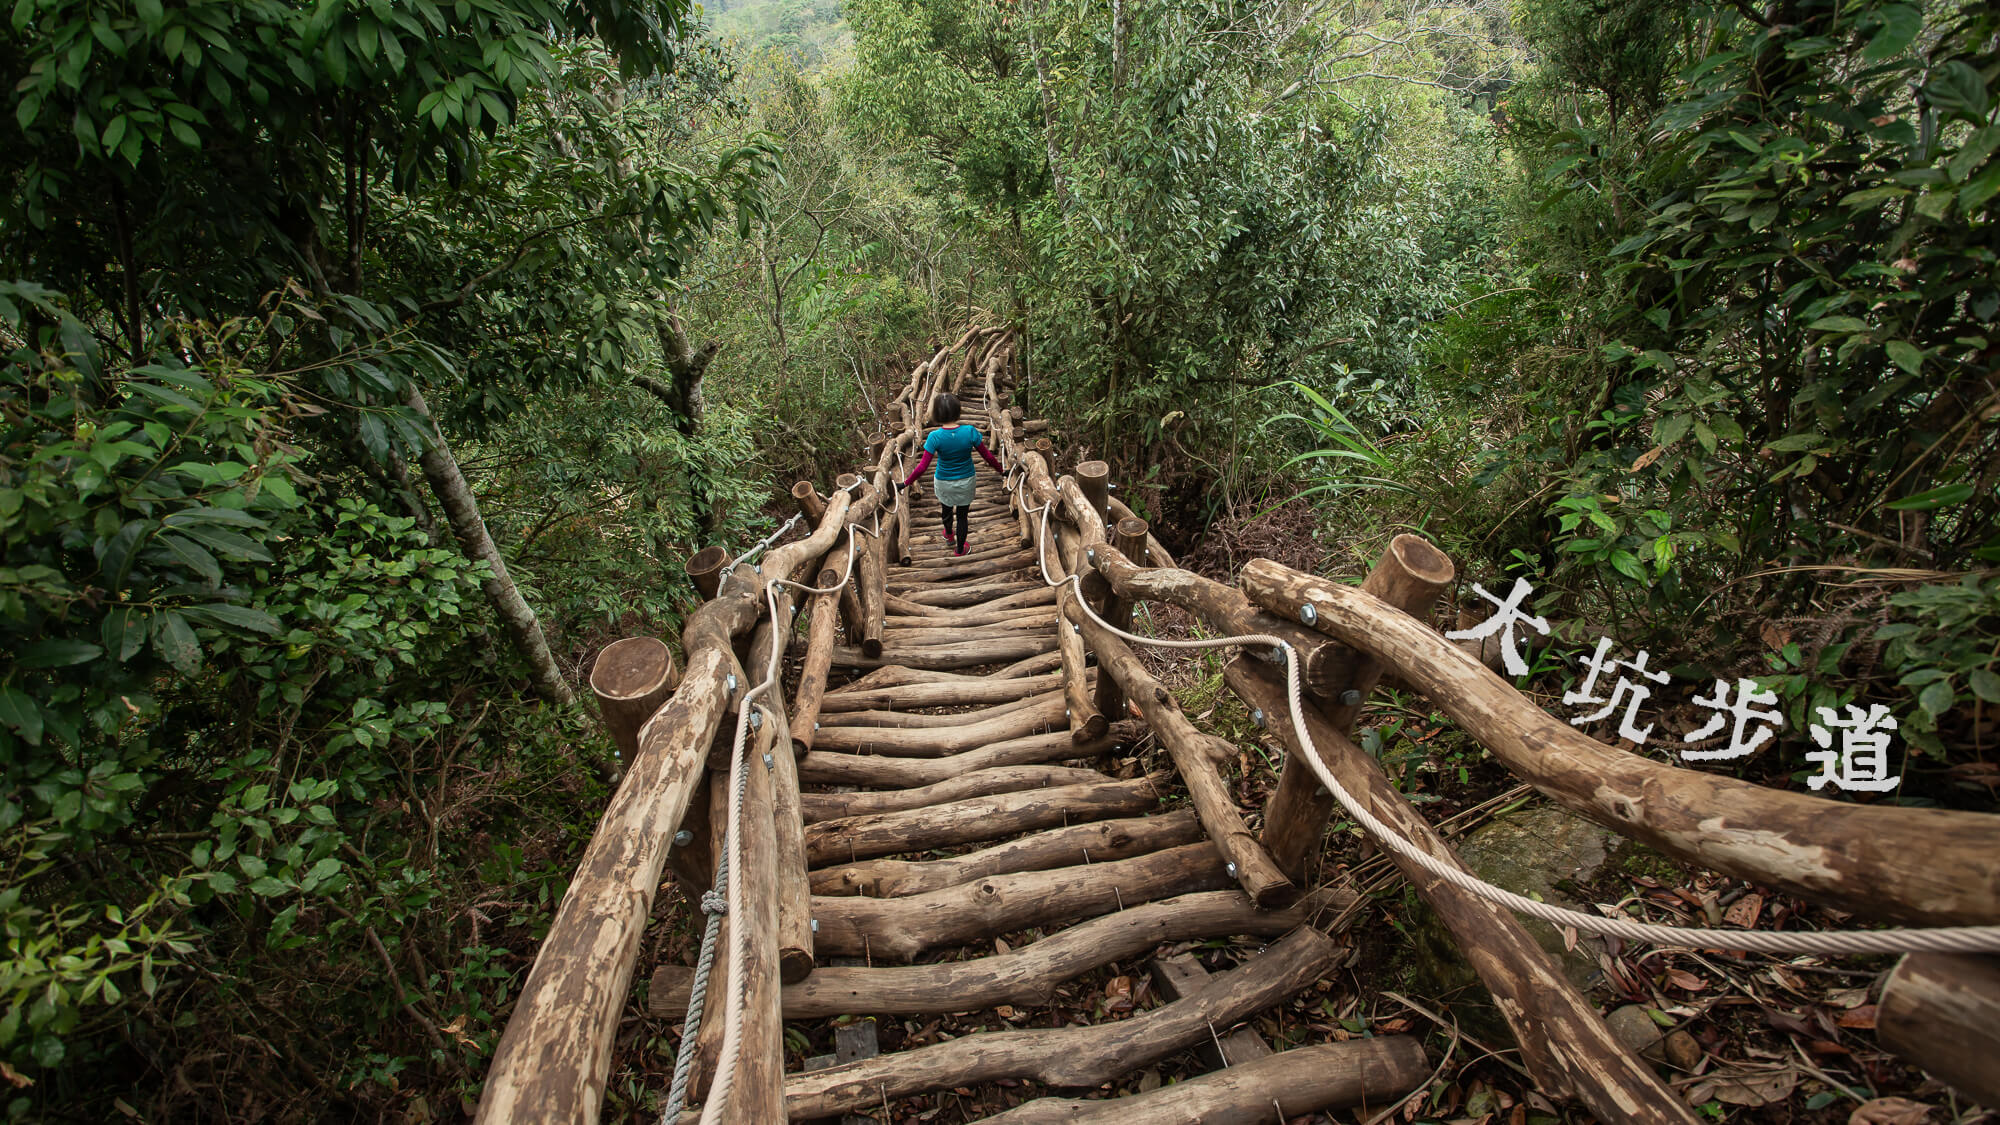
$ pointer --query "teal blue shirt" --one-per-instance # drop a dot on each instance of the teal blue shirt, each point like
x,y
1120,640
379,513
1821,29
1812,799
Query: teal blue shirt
x,y
954,448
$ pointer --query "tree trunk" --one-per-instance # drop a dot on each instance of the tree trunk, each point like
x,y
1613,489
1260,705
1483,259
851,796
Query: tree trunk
x,y
462,511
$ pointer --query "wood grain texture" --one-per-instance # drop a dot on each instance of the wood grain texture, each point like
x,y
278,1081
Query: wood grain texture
x,y
901,929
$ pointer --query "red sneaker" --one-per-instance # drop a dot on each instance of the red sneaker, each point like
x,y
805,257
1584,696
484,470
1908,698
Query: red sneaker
x,y
961,549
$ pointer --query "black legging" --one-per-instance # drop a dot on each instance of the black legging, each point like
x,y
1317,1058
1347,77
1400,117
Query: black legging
x,y
962,515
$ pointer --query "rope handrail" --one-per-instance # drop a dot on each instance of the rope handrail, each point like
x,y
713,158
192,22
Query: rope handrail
x,y
1941,939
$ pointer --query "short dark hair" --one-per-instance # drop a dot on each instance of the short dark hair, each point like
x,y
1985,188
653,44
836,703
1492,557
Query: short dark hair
x,y
944,408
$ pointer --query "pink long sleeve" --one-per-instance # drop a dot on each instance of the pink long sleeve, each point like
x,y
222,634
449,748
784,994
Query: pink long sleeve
x,y
923,464
988,454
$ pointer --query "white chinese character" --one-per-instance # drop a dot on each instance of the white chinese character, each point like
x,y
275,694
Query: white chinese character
x,y
1745,714
1634,694
1863,757
1502,622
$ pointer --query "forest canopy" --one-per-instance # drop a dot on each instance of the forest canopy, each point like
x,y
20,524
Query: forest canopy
x,y
369,366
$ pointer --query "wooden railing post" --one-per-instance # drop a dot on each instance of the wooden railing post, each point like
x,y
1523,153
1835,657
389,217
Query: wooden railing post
x,y
1131,542
705,569
1094,478
811,504
850,595
794,925
871,575
631,679
1942,1012
1410,575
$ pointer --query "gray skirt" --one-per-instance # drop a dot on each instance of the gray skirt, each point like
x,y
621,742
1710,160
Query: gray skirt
x,y
954,493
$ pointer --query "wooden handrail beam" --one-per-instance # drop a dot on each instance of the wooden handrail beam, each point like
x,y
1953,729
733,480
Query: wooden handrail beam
x,y
1851,857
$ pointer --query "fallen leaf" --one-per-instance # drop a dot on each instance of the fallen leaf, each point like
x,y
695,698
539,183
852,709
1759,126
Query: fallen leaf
x,y
1007,1012
1150,1080
1569,938
1890,1111
20,1081
456,1029
1848,997
1742,1084
1648,457
1118,994
1000,946
1681,978
1744,911
1863,1017
1775,636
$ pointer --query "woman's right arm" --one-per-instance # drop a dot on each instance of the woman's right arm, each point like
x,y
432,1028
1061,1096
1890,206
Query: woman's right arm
x,y
922,464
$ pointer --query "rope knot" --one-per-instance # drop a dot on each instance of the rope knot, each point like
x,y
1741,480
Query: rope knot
x,y
714,902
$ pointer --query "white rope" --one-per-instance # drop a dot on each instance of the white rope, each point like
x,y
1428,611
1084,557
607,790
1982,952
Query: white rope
x,y
1942,939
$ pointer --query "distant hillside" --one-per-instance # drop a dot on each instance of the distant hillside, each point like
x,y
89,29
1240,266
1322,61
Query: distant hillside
x,y
814,32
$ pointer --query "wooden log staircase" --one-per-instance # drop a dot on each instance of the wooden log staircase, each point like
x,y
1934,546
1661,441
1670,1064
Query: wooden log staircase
x,y
970,792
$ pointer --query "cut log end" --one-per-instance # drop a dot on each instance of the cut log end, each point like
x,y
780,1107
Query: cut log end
x,y
1421,560
794,965
632,668
705,569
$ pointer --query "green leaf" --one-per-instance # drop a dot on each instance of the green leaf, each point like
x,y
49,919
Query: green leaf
x,y
1934,204
1900,24
230,516
269,887
176,643
1975,194
234,616
1984,684
27,109
227,543
1906,356
1839,324
20,713
58,652
123,633
1937,698
193,556
222,882
1958,89
1973,153
1933,498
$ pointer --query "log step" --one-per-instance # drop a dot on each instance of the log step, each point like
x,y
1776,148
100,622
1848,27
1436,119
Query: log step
x,y
1027,976
1071,1057
1281,1087
902,929
1076,844
975,819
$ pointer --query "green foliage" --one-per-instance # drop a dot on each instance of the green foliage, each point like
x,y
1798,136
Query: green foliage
x,y
138,503
1195,204
1944,650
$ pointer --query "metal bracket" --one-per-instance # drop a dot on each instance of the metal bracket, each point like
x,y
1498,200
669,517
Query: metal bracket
x,y
1308,614
683,838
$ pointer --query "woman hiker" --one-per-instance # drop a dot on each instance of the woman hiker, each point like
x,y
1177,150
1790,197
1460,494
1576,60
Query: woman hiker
x,y
952,445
